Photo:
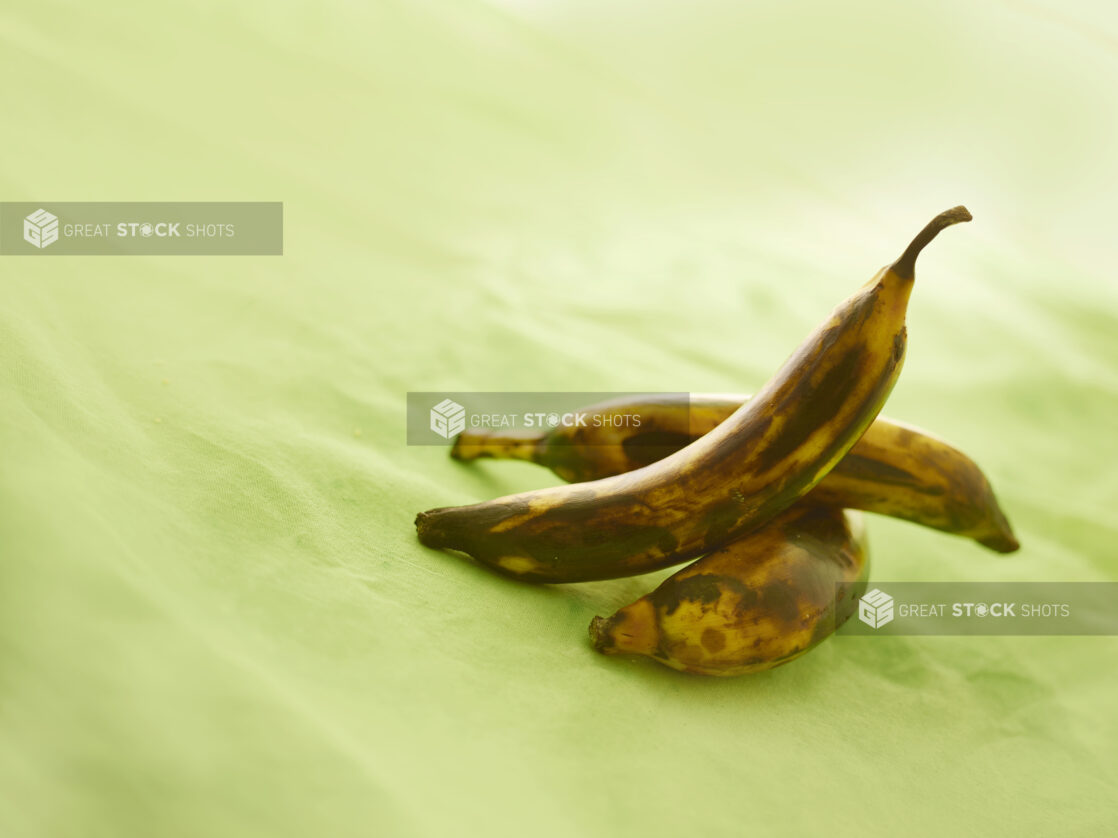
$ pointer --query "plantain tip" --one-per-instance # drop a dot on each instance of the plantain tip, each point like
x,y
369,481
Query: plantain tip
x,y
600,637
427,529
955,215
458,451
1001,543
905,266
1001,538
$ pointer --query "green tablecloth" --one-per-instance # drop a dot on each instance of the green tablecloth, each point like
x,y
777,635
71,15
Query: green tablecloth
x,y
214,617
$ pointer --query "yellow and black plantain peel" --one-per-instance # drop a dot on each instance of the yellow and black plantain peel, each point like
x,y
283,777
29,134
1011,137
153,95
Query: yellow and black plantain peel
x,y
894,469
767,455
758,602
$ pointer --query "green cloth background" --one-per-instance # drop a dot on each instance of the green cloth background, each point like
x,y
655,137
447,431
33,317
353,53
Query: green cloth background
x,y
215,619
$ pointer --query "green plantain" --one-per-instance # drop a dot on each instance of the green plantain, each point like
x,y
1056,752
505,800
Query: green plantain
x,y
761,460
894,469
756,603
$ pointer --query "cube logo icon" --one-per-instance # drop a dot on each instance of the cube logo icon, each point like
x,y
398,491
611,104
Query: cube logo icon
x,y
448,418
40,228
875,609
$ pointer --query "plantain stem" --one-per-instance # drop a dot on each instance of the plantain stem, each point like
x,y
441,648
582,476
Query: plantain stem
x,y
905,267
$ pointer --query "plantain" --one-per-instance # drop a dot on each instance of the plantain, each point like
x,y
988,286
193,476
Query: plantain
x,y
756,603
894,469
762,459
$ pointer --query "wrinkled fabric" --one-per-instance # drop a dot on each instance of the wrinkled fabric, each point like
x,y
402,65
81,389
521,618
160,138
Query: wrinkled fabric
x,y
214,616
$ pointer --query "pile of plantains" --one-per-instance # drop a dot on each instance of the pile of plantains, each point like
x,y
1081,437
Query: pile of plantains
x,y
757,487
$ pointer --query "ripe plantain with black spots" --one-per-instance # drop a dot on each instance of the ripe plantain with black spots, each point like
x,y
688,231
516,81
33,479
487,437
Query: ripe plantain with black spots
x,y
758,602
